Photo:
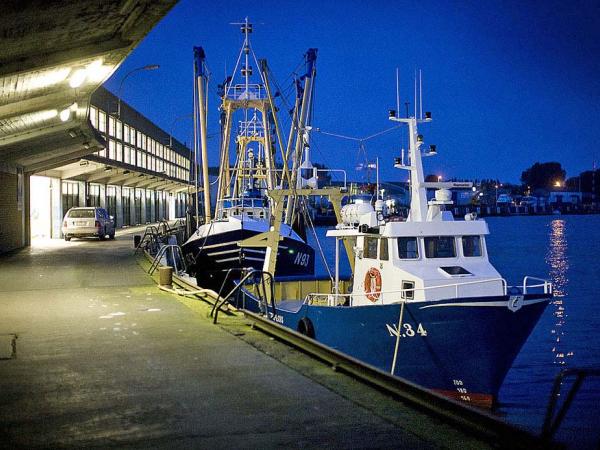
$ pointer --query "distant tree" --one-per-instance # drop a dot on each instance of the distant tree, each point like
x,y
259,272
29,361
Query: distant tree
x,y
543,175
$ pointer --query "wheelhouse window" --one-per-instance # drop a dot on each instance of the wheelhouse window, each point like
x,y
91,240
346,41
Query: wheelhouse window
x,y
370,247
471,246
440,247
383,249
408,248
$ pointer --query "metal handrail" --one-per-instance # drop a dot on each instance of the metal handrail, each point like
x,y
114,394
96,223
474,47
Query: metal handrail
x,y
309,296
217,306
254,92
150,232
553,421
547,285
162,252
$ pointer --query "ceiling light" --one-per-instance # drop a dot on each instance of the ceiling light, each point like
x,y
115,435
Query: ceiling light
x,y
43,79
40,116
65,114
97,71
77,78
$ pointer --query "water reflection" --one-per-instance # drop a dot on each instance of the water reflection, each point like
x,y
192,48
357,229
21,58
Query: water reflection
x,y
559,266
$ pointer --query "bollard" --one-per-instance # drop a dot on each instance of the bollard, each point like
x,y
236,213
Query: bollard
x,y
165,276
136,240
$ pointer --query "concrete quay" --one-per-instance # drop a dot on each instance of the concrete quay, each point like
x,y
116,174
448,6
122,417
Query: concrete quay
x,y
106,359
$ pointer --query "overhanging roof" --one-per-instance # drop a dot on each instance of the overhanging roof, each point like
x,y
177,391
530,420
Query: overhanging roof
x,y
53,55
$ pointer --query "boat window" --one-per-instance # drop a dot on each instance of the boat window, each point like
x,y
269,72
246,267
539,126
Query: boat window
x,y
383,249
408,248
370,248
455,270
440,247
471,245
406,294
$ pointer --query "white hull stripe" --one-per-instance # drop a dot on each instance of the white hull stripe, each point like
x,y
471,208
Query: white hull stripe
x,y
221,244
237,259
223,252
493,304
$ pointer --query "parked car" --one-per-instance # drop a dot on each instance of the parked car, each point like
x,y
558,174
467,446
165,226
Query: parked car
x,y
88,222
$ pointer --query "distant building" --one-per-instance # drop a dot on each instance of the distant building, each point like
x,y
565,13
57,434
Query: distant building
x,y
141,176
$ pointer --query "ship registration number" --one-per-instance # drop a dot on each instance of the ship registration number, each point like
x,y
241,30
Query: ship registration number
x,y
407,330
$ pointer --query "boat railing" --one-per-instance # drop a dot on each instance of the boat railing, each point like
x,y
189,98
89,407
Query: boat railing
x,y
236,206
333,299
543,284
251,128
246,92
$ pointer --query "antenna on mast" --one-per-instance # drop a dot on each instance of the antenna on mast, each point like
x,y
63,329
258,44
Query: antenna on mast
x,y
415,94
397,92
420,95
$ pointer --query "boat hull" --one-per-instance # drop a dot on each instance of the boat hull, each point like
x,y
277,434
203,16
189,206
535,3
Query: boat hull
x,y
461,348
209,258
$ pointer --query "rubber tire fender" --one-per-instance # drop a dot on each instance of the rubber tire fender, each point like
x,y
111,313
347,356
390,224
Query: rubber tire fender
x,y
305,327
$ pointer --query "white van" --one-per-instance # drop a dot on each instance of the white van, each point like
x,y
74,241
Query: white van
x,y
88,222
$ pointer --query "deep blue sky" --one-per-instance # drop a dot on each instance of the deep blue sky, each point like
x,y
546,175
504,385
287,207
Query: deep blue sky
x,y
509,83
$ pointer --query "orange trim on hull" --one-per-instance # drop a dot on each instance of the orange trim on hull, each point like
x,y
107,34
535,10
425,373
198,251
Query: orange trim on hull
x,y
479,400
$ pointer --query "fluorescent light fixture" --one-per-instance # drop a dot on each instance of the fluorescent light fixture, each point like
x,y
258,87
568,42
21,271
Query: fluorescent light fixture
x,y
43,79
77,78
65,114
97,71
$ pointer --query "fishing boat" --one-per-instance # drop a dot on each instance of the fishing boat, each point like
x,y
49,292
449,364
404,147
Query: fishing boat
x,y
243,210
424,302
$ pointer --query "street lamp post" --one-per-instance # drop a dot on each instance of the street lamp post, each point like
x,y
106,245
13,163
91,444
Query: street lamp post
x,y
127,75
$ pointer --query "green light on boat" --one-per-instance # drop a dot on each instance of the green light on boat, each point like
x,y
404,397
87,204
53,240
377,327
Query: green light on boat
x,y
291,251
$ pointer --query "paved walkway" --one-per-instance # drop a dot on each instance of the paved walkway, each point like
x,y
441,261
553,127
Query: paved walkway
x,y
105,359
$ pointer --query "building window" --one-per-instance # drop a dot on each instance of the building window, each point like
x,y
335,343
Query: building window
x,y
70,195
126,133
94,117
111,149
111,126
102,121
471,246
440,247
408,248
132,136
127,155
119,151
94,195
119,129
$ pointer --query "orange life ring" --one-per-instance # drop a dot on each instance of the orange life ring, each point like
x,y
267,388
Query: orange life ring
x,y
373,284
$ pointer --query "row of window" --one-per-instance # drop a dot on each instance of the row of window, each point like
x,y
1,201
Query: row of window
x,y
435,247
134,147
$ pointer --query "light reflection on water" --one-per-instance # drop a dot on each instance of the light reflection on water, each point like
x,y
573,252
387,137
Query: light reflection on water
x,y
558,262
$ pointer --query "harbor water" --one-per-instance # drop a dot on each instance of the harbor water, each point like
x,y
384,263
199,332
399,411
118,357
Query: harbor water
x,y
566,250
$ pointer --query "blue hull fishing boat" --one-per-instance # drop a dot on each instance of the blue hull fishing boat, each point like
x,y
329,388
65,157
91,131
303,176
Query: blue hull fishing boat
x,y
423,303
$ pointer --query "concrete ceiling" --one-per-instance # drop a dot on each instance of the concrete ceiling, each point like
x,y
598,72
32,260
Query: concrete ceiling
x,y
53,55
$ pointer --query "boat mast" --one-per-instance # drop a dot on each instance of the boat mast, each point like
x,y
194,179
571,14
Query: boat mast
x,y
199,58
311,57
